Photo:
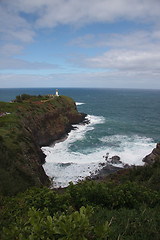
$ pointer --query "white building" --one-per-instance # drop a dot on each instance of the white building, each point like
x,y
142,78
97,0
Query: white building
x,y
57,92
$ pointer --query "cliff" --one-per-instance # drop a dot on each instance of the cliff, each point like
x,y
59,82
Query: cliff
x,y
153,156
25,127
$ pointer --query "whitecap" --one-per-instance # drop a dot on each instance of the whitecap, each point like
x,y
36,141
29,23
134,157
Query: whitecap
x,y
94,120
65,164
79,103
60,155
131,149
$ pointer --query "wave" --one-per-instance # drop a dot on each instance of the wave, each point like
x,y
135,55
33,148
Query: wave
x,y
76,165
79,155
79,103
94,120
131,149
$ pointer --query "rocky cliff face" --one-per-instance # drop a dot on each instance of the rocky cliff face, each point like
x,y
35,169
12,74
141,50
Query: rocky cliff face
x,y
38,123
153,156
53,124
48,126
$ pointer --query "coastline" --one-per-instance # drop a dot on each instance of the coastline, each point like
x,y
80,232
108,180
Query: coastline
x,y
72,128
34,122
108,167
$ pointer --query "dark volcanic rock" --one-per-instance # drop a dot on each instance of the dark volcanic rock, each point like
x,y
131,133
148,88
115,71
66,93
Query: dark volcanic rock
x,y
105,171
47,128
155,154
53,125
76,118
115,160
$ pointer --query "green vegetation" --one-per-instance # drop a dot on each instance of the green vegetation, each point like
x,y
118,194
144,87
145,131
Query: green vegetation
x,y
23,97
148,175
117,209
74,225
124,206
23,125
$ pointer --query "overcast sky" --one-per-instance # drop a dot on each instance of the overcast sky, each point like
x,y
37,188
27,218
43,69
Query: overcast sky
x,y
80,43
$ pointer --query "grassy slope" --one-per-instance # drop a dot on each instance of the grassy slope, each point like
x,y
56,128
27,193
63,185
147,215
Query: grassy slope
x,y
22,132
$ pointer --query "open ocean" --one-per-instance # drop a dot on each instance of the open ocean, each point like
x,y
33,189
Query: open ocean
x,y
123,122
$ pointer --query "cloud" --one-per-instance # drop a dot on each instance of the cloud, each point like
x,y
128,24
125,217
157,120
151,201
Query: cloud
x,y
8,61
126,60
50,13
18,64
137,51
20,20
123,57
138,39
90,11
10,49
13,27
104,79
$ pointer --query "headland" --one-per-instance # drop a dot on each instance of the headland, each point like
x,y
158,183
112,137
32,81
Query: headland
x,y
32,122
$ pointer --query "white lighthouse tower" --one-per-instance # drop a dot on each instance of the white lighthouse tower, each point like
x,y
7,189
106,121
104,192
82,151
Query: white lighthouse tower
x,y
57,93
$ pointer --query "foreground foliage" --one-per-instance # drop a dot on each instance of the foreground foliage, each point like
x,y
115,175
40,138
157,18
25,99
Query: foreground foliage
x,y
71,225
88,210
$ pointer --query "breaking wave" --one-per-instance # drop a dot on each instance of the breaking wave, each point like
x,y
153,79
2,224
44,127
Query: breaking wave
x,y
65,165
77,157
79,103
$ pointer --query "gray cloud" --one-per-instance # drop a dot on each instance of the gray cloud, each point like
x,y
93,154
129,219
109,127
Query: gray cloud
x,y
80,12
13,27
137,39
51,13
104,79
126,60
136,51
13,64
10,49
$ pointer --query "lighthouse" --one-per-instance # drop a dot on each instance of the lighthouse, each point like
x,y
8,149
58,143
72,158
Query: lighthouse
x,y
57,93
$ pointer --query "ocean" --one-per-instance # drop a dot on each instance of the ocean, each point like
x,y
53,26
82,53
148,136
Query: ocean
x,y
123,122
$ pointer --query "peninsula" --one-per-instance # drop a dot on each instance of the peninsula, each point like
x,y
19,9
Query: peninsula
x,y
27,124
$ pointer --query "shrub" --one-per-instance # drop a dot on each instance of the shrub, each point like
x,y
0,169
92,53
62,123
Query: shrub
x,y
129,195
74,225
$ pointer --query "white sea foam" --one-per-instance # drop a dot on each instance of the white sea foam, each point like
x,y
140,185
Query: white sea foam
x,y
96,119
131,149
65,165
79,103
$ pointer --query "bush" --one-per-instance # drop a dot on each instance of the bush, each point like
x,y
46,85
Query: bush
x,y
20,98
128,195
70,226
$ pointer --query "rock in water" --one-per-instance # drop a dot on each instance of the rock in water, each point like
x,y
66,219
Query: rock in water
x,y
115,160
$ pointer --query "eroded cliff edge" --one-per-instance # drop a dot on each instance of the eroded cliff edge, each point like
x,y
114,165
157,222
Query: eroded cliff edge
x,y
153,156
30,124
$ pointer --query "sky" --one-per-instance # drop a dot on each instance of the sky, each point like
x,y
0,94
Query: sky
x,y
80,43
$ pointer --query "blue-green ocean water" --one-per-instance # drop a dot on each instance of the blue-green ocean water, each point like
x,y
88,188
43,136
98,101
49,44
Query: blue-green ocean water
x,y
123,122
